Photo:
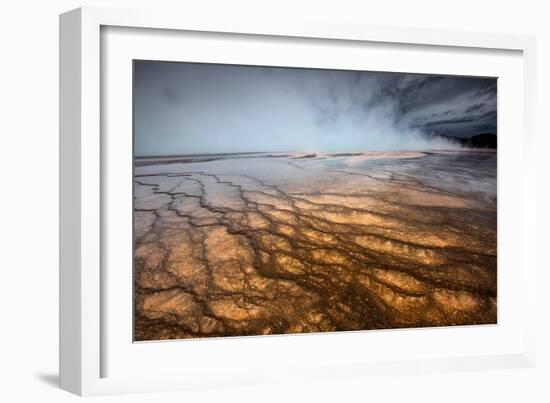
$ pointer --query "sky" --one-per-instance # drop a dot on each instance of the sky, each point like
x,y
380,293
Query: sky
x,y
195,108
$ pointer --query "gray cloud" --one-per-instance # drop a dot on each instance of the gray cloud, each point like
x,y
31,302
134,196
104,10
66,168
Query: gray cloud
x,y
199,108
474,108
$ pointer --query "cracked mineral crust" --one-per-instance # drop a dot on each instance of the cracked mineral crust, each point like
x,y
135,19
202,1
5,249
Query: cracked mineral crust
x,y
257,243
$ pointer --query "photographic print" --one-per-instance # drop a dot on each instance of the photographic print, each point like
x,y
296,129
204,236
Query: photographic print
x,y
275,200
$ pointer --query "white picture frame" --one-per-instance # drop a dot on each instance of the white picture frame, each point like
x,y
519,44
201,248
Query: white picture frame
x,y
85,347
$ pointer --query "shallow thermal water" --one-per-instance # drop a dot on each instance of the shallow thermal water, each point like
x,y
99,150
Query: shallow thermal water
x,y
229,245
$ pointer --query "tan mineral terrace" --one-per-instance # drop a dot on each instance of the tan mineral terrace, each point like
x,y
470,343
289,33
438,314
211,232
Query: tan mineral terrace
x,y
260,243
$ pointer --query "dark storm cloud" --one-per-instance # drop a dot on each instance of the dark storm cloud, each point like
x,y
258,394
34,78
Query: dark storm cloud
x,y
451,105
475,108
193,108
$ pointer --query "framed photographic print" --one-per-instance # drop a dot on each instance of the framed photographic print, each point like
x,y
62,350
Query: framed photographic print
x,y
238,196
273,200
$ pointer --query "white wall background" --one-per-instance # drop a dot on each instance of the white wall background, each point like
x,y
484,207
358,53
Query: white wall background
x,y
29,201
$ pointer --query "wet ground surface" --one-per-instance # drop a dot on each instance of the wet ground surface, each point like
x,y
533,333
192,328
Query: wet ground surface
x,y
251,244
